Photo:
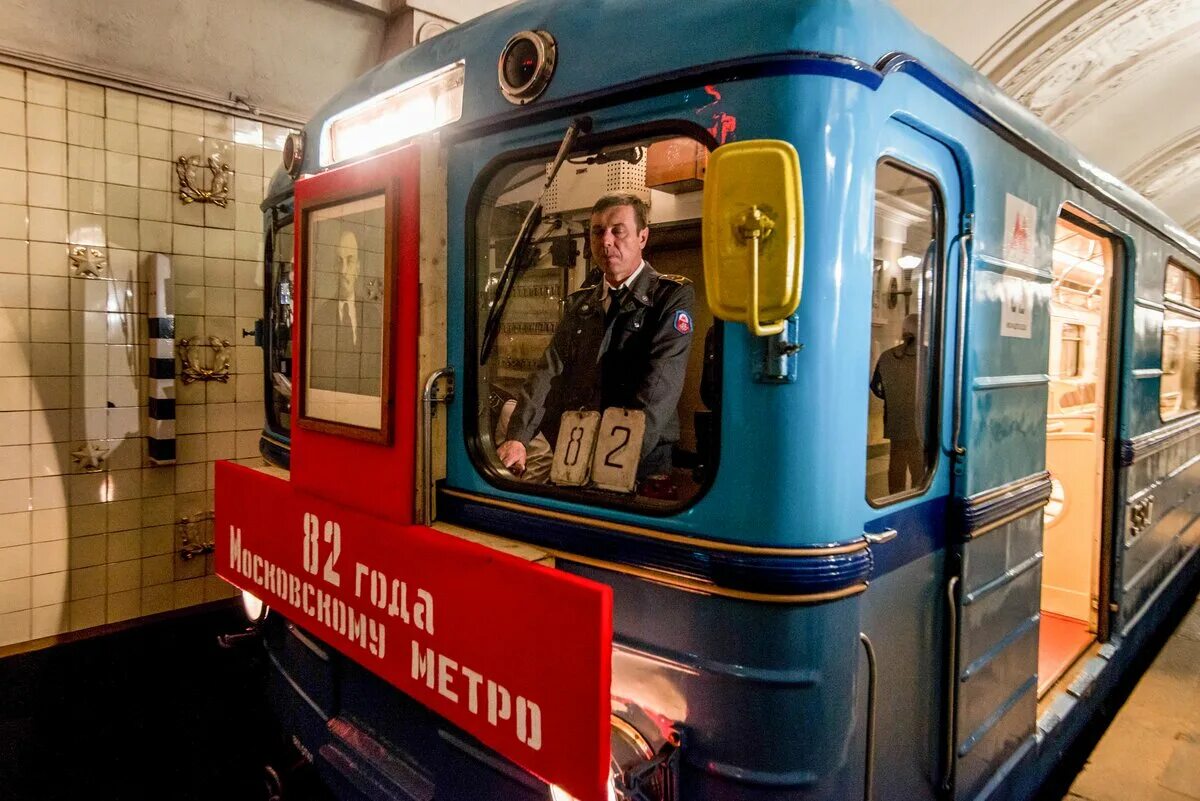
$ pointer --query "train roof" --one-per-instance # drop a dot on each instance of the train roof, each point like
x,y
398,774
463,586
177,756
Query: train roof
x,y
613,43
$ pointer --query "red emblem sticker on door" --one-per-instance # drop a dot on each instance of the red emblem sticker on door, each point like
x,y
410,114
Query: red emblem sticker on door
x,y
517,654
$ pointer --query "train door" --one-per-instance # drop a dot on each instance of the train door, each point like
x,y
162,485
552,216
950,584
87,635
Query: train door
x,y
907,381
1078,445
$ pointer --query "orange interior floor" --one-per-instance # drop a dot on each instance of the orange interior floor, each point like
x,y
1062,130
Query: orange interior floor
x,y
1060,642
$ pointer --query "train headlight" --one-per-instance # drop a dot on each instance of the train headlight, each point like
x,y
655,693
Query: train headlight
x,y
630,751
416,107
526,65
253,606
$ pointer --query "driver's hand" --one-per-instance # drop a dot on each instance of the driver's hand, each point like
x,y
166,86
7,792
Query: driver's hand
x,y
512,456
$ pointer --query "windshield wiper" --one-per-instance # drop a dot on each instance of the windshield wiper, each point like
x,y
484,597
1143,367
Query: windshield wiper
x,y
518,255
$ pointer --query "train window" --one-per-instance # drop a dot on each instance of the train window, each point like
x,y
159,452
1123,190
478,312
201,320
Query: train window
x,y
902,375
344,296
1069,364
1179,390
596,376
281,275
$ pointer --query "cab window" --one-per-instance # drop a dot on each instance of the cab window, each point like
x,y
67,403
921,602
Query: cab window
x,y
596,352
1179,390
902,371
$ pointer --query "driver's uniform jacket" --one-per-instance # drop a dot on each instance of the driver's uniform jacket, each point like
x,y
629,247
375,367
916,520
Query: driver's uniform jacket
x,y
637,361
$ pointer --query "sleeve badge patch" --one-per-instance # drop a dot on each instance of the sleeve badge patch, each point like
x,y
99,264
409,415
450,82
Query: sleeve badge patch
x,y
683,322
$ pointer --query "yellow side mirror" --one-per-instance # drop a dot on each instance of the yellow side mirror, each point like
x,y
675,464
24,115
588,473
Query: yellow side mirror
x,y
754,234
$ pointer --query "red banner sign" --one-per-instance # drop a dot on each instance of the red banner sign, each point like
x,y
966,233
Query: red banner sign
x,y
515,653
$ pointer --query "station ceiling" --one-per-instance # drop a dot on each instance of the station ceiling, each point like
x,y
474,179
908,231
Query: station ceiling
x,y
1120,79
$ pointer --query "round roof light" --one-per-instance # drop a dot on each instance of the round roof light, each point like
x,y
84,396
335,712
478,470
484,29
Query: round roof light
x,y
293,153
526,66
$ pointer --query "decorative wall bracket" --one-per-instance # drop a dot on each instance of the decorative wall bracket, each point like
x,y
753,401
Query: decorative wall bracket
x,y
87,262
190,188
195,535
90,457
194,368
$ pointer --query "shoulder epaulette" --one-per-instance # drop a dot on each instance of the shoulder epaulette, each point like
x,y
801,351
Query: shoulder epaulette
x,y
678,279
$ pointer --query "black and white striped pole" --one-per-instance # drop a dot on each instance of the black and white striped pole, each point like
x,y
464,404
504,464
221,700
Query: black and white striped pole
x,y
161,400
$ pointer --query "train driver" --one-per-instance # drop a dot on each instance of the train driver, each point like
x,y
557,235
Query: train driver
x,y
622,342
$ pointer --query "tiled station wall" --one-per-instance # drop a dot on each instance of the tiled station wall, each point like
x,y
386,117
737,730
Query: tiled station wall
x,y
86,165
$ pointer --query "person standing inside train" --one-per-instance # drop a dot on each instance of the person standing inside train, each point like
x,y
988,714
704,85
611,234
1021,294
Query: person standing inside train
x,y
622,342
895,383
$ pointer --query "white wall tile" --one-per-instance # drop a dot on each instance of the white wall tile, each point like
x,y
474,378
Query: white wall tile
x,y
48,157
50,359
48,191
120,105
15,594
154,143
85,97
49,492
15,562
14,627
274,137
85,162
122,201
45,89
121,168
155,236
191,214
48,258
51,524
155,112
85,130
12,152
14,529
123,235
14,257
155,174
46,122
14,221
87,613
52,393
124,605
187,118
50,325
12,117
13,187
15,358
47,225
14,462
14,394
157,599
14,325
49,292
14,430
160,541
12,82
87,519
48,621
85,229
50,426
189,592
87,552
124,575
86,196
50,588
219,216
14,291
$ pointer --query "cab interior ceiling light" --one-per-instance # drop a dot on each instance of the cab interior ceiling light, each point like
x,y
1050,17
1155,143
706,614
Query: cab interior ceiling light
x,y
416,107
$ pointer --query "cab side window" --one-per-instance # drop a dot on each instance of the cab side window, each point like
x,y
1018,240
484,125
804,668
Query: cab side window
x,y
1179,391
902,371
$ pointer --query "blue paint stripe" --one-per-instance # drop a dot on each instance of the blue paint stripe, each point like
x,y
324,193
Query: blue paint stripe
x,y
768,574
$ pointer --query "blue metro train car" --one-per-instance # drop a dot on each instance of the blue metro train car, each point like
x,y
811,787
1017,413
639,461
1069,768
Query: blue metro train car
x,y
904,536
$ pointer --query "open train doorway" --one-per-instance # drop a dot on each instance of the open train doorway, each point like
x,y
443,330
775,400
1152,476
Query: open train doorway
x,y
1082,402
